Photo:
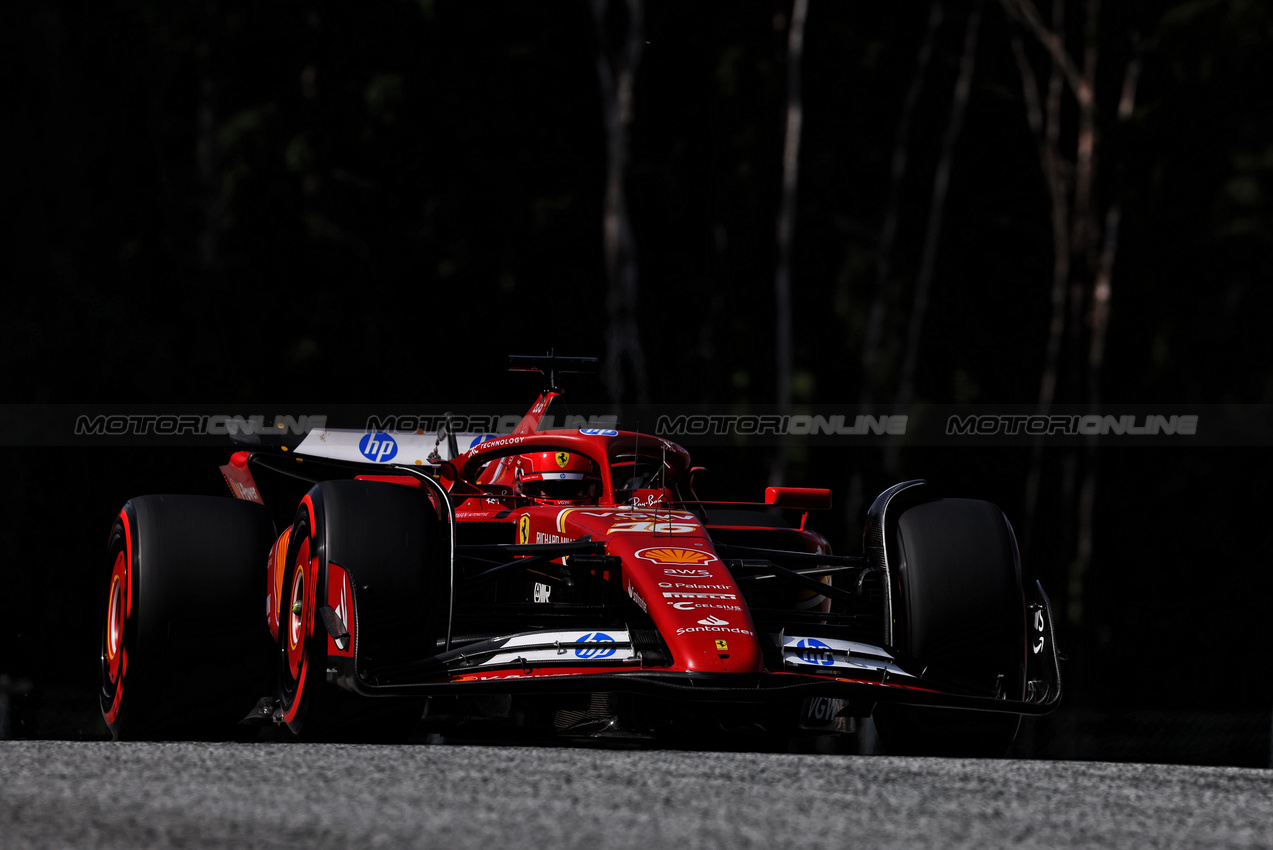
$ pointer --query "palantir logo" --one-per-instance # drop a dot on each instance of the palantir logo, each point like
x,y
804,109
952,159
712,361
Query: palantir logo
x,y
604,646
378,447
813,651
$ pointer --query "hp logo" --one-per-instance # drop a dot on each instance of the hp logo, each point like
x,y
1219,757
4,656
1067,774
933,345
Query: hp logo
x,y
813,651
604,646
378,447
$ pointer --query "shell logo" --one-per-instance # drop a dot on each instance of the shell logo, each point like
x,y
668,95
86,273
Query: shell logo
x,y
672,555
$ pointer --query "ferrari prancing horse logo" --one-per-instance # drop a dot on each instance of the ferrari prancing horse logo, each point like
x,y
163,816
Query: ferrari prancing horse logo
x,y
563,458
523,529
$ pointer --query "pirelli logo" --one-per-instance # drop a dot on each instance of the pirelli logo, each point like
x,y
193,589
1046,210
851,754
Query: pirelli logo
x,y
678,595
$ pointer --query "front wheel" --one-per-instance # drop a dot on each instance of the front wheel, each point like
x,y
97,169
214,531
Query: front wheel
x,y
959,610
384,538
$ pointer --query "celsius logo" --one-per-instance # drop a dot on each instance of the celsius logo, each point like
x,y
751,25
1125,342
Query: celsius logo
x,y
603,646
378,447
814,652
690,606
713,621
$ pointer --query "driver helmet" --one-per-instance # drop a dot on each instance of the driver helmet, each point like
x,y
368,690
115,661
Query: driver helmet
x,y
556,476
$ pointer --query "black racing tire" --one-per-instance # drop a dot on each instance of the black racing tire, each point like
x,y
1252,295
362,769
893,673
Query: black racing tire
x,y
185,648
386,537
959,610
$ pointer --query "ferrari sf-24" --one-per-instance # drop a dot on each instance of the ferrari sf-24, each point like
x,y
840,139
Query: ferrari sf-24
x,y
568,581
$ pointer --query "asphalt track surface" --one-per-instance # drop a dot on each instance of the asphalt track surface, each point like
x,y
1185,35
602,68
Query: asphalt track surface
x,y
88,795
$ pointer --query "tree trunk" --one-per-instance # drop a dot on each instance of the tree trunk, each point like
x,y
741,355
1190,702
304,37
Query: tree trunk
x,y
786,229
624,371
207,153
936,212
884,290
888,229
1085,246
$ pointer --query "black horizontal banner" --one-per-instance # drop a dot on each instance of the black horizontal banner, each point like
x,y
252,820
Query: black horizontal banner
x,y
757,425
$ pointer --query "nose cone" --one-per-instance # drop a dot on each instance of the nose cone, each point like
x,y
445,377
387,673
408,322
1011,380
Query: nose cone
x,y
716,647
692,599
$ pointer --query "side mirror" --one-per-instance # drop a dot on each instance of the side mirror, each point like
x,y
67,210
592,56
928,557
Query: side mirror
x,y
805,498
694,473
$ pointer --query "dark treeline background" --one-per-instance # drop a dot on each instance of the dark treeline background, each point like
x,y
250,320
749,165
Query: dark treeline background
x,y
308,203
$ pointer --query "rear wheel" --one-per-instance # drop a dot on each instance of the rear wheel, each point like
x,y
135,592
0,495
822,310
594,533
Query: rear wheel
x,y
959,610
385,537
185,650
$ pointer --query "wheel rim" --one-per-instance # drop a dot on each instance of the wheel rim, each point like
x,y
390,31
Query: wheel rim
x,y
296,609
114,651
294,630
115,624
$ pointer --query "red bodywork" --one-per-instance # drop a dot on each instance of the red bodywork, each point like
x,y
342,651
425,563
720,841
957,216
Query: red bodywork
x,y
562,578
667,564
671,570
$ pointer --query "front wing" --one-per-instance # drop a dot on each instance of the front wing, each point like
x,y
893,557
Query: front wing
x,y
575,661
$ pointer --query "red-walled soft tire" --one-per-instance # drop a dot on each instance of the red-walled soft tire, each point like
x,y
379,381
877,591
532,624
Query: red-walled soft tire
x,y
385,536
301,668
185,646
959,609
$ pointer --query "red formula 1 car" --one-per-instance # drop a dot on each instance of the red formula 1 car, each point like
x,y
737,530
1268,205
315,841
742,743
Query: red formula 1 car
x,y
568,580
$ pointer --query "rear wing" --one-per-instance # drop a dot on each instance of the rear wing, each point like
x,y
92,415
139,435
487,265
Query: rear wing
x,y
409,449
